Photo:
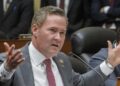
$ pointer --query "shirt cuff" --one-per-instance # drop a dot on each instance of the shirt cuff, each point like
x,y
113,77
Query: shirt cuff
x,y
106,9
4,74
105,69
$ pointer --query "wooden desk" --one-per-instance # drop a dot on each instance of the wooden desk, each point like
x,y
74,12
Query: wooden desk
x,y
19,43
118,82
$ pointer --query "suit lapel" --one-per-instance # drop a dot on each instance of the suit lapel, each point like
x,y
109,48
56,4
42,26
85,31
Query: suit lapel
x,y
11,8
70,5
60,65
26,68
1,10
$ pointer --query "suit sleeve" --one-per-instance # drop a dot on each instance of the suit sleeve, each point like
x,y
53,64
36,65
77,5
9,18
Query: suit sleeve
x,y
114,12
95,11
91,78
97,59
4,80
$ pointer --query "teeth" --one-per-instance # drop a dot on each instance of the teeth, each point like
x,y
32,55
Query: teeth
x,y
55,45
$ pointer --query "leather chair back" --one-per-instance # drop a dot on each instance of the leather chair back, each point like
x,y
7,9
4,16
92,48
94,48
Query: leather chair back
x,y
87,41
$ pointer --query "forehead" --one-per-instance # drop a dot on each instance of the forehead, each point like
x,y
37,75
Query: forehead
x,y
55,20
53,17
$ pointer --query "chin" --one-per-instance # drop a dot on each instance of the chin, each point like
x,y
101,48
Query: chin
x,y
54,53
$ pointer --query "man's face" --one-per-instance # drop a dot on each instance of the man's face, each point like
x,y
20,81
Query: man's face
x,y
51,35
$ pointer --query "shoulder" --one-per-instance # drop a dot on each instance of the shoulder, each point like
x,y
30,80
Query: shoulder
x,y
101,53
64,58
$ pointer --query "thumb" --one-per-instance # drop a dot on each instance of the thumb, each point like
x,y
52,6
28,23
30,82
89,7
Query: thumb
x,y
109,45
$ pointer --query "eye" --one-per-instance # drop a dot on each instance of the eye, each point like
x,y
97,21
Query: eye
x,y
53,30
63,33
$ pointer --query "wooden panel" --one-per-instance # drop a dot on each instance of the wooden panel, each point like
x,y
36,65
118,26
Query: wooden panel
x,y
118,82
19,43
67,46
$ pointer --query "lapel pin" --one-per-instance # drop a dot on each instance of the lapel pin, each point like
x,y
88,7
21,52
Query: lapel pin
x,y
61,62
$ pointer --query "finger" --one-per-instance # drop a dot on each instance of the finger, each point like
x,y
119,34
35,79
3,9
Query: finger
x,y
14,55
6,45
9,49
21,60
17,57
109,45
10,57
18,61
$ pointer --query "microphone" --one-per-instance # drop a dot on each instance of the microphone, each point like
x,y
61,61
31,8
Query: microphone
x,y
78,57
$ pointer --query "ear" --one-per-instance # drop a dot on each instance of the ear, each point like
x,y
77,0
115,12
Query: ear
x,y
34,29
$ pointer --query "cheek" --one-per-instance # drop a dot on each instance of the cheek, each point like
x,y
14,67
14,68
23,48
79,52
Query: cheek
x,y
63,39
41,39
44,40
62,42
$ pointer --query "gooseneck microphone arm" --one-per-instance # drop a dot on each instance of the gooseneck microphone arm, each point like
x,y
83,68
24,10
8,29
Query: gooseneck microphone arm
x,y
78,57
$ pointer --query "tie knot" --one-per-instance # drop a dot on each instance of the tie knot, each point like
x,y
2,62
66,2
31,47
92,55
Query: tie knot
x,y
47,62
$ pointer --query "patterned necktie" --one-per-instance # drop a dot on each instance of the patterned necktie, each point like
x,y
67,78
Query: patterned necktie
x,y
62,4
50,76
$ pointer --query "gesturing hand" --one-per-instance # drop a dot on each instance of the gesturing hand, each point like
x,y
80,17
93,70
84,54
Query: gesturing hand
x,y
14,57
113,54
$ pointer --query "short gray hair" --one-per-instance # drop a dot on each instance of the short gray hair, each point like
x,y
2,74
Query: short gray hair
x,y
41,15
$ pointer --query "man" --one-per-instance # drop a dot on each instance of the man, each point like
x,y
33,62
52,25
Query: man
x,y
77,11
48,35
15,18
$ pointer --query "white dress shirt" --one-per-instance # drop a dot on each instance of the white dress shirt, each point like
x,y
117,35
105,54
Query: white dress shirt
x,y
5,6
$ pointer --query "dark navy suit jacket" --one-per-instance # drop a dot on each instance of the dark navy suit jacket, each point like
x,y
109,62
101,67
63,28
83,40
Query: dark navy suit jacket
x,y
17,19
100,18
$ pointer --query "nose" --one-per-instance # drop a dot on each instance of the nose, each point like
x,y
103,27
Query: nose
x,y
57,36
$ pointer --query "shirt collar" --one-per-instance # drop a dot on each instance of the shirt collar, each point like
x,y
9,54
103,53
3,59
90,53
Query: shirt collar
x,y
36,57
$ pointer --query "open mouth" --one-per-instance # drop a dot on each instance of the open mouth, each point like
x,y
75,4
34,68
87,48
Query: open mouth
x,y
55,45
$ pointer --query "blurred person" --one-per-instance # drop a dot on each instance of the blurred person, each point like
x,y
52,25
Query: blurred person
x,y
15,18
106,13
40,62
